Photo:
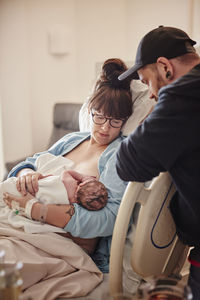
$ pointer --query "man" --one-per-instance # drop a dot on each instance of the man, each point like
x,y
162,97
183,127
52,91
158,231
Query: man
x,y
169,139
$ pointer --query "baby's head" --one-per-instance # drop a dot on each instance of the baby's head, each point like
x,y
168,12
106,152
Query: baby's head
x,y
92,195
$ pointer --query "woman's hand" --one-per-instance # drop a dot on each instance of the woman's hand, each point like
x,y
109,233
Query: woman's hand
x,y
22,200
28,183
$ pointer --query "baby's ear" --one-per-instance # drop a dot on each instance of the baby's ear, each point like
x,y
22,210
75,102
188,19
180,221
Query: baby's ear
x,y
76,196
74,200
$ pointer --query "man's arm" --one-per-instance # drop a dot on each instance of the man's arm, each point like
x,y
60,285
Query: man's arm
x,y
152,148
134,163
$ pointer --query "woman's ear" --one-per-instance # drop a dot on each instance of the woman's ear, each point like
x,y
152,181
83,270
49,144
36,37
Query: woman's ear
x,y
165,69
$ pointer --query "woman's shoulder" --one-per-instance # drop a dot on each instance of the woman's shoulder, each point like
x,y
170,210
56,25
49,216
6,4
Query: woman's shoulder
x,y
72,137
76,135
117,142
68,142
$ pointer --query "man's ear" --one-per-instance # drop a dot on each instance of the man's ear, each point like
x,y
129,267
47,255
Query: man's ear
x,y
165,69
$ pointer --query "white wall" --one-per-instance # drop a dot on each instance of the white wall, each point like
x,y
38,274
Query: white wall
x,y
196,20
15,79
32,79
1,147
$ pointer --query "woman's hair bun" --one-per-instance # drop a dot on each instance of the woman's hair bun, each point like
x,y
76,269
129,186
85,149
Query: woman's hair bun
x,y
111,70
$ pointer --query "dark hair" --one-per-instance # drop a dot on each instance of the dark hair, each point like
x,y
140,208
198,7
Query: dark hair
x,y
92,195
110,95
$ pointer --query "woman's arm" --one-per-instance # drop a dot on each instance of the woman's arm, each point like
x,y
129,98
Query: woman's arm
x,y
56,215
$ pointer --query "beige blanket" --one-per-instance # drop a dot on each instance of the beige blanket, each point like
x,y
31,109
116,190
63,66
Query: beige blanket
x,y
54,266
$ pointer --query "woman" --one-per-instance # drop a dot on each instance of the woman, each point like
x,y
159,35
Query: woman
x,y
93,153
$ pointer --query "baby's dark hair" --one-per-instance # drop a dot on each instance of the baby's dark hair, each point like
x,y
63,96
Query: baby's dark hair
x,y
92,195
111,95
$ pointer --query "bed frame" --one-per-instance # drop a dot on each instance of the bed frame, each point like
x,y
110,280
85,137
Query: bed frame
x,y
156,248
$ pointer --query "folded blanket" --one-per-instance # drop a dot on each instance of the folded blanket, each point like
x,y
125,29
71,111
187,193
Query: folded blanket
x,y
53,266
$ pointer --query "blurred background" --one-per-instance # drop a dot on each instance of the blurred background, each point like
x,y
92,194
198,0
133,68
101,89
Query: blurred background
x,y
51,51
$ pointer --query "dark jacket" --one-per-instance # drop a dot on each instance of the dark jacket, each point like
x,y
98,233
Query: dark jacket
x,y
169,140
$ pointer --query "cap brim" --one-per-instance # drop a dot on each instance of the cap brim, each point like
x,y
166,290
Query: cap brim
x,y
130,73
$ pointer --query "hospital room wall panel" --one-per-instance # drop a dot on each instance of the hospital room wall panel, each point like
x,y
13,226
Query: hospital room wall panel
x,y
34,74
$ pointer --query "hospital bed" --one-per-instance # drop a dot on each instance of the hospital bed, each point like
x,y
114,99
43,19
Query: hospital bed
x,y
150,248
152,236
156,249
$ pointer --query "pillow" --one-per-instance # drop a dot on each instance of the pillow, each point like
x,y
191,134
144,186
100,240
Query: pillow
x,y
84,117
197,47
142,105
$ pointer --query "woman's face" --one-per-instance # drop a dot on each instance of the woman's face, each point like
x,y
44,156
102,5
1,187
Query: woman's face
x,y
104,134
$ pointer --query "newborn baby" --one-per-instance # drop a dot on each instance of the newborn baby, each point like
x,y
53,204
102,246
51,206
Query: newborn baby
x,y
90,193
67,187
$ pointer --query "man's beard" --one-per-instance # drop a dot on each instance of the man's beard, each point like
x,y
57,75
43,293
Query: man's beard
x,y
160,84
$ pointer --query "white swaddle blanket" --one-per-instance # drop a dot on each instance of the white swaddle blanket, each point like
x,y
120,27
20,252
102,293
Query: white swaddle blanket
x,y
51,190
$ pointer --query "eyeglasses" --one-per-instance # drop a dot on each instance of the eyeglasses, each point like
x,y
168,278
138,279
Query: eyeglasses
x,y
100,120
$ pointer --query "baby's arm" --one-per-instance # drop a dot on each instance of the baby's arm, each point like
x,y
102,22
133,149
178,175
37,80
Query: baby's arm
x,y
70,183
71,179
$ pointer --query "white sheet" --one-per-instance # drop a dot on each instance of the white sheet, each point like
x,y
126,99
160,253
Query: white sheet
x,y
131,280
54,266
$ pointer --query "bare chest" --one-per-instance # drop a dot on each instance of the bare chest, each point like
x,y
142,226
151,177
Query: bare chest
x,y
85,160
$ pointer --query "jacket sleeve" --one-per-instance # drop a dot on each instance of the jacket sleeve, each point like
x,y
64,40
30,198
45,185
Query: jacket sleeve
x,y
152,148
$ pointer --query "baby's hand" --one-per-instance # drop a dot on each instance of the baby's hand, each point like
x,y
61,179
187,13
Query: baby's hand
x,y
88,178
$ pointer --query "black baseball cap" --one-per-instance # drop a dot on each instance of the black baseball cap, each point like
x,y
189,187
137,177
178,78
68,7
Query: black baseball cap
x,y
163,41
